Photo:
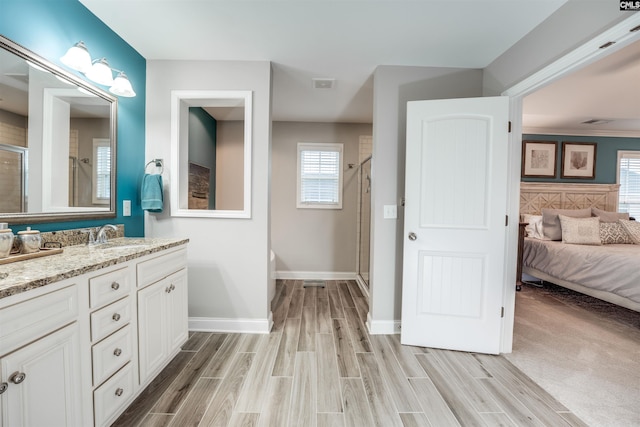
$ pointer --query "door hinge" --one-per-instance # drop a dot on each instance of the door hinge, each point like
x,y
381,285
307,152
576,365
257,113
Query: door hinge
x,y
502,312
509,126
506,220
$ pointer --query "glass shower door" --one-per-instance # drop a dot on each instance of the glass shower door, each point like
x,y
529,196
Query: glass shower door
x,y
365,220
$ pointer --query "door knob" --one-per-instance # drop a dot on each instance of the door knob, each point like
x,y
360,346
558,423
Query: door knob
x,y
412,236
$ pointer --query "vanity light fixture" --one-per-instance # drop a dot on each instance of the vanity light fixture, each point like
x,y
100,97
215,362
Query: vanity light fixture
x,y
122,86
77,57
98,70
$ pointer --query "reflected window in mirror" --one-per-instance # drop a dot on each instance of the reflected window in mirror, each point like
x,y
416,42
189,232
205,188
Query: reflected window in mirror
x,y
49,120
211,154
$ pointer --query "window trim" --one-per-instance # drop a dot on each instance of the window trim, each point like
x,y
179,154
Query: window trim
x,y
319,146
99,143
621,154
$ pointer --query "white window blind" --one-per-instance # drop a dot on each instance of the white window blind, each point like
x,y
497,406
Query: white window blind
x,y
629,180
101,171
319,176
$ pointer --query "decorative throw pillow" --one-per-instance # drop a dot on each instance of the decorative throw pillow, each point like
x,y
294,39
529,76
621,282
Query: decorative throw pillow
x,y
606,216
534,226
612,233
580,231
551,223
633,229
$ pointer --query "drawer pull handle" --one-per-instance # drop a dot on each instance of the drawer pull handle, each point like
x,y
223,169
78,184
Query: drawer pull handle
x,y
117,352
18,377
119,392
3,387
116,317
115,286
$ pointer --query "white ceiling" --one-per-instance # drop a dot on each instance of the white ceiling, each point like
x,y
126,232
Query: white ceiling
x,y
340,39
607,90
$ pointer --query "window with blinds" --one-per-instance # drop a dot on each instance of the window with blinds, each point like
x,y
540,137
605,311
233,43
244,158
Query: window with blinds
x,y
319,176
629,180
101,171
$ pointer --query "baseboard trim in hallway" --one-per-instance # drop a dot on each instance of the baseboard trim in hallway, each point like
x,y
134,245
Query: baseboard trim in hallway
x,y
243,326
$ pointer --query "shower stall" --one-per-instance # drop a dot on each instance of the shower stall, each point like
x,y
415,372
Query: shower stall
x,y
364,221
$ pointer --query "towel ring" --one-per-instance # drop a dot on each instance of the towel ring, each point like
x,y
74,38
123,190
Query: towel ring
x,y
158,163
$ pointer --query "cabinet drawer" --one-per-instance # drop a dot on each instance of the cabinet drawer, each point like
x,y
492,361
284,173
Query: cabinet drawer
x,y
111,353
157,268
31,319
113,395
109,287
110,318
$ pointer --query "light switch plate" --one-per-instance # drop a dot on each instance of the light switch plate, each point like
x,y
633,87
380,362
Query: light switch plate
x,y
390,211
126,208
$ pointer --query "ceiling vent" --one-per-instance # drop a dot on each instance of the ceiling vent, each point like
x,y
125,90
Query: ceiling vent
x,y
319,83
596,122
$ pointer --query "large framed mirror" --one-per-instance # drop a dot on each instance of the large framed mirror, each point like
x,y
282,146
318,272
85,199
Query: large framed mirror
x,y
211,154
57,142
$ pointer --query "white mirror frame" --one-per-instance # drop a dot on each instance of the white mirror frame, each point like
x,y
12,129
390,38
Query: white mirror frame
x,y
181,100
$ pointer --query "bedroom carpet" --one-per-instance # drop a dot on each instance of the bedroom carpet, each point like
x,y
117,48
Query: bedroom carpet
x,y
583,351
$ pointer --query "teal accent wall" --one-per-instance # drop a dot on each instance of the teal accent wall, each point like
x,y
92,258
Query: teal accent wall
x,y
606,156
49,28
202,146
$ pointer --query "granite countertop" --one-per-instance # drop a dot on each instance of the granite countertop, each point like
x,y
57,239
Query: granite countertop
x,y
22,276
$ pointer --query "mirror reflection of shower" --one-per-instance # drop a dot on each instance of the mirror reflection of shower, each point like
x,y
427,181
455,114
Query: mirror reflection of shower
x,y
364,222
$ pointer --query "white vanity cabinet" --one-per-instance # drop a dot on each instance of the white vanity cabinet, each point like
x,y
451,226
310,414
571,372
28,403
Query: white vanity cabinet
x,y
78,351
112,327
162,311
40,356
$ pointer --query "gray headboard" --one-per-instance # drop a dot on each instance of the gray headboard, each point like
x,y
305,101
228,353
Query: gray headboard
x,y
534,196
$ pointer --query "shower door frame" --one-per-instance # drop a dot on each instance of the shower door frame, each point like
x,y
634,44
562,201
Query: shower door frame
x,y
364,285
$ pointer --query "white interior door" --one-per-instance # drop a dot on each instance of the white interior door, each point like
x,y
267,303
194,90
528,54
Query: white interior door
x,y
456,201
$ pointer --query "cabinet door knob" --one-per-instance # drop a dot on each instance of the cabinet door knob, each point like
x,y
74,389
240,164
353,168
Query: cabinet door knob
x,y
172,287
412,236
168,289
116,317
119,392
115,286
3,387
117,352
17,377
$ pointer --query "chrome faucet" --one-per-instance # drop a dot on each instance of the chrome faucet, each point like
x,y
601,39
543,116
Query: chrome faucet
x,y
102,233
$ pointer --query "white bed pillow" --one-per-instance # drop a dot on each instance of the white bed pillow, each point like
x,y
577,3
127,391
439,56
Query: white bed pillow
x,y
612,233
551,223
633,229
580,231
534,226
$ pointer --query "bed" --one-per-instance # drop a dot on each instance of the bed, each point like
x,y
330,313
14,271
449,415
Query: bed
x,y
610,272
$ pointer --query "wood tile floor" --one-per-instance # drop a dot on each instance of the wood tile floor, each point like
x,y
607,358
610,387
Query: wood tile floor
x,y
319,367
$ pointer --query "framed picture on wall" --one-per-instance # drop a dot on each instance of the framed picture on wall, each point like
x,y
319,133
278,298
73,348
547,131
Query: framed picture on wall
x,y
579,160
539,159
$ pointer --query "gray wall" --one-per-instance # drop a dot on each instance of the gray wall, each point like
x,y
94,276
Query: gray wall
x,y
313,240
227,258
393,87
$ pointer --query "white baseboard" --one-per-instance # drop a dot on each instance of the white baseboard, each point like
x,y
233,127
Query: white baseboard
x,y
383,327
244,326
317,275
